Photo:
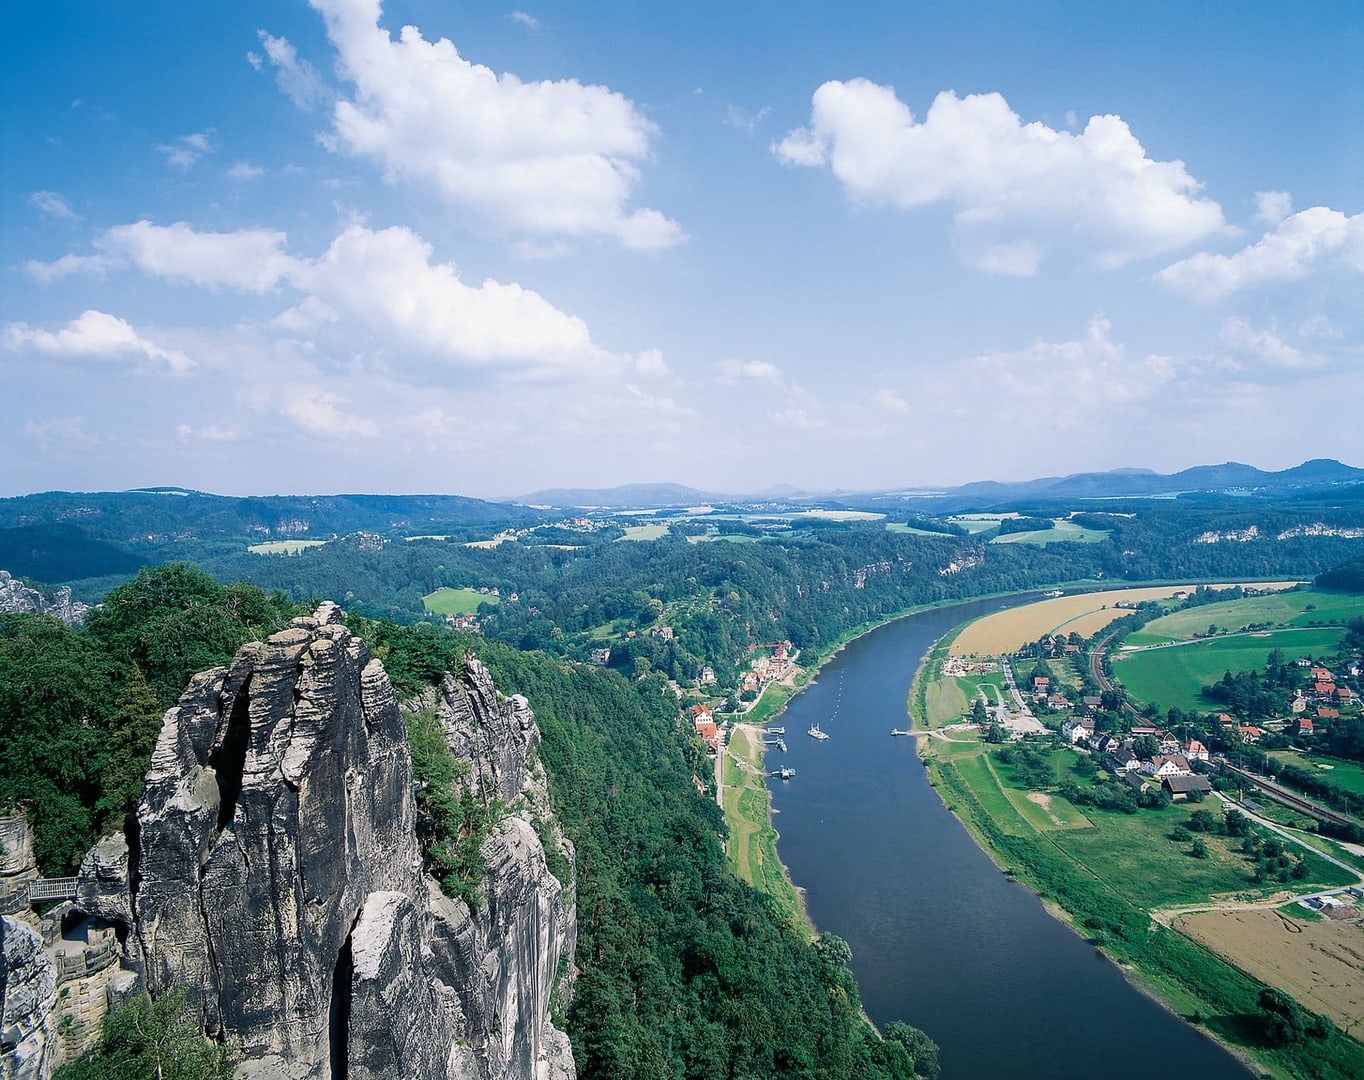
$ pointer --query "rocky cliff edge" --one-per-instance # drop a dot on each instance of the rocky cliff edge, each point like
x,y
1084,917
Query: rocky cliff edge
x,y
275,874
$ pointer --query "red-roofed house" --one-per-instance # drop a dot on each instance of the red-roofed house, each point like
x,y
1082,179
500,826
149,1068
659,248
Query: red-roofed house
x,y
1196,751
1343,693
1323,713
1249,733
1306,726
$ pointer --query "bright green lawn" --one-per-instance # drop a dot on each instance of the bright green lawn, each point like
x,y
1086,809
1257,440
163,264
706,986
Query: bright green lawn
x,y
984,784
975,523
456,601
1176,675
1285,608
1061,531
652,531
1348,775
1133,853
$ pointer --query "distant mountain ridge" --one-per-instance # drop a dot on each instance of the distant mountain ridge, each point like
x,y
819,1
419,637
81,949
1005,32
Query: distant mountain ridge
x,y
1231,477
149,513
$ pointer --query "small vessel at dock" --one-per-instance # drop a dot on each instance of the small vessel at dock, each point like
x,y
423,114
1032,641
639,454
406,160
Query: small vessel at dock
x,y
815,733
897,731
774,731
783,773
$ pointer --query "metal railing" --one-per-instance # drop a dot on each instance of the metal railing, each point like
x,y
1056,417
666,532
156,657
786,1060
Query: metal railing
x,y
62,888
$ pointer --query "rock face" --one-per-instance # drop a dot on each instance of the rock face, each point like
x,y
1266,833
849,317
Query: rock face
x,y
28,993
276,874
16,596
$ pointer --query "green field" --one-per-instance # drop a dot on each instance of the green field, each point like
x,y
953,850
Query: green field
x,y
1175,676
1062,531
733,538
456,601
752,846
977,523
284,547
652,531
1347,775
1277,610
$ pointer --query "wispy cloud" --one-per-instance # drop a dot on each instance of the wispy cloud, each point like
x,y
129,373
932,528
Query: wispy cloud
x,y
530,22
745,121
186,151
52,205
298,78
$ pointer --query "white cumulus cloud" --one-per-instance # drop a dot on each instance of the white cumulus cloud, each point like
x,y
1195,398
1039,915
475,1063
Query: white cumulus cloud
x,y
1297,246
377,289
554,157
387,280
93,334
248,259
1017,188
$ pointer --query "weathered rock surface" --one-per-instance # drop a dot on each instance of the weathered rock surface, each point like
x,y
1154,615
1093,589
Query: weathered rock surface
x,y
102,886
277,877
16,596
28,992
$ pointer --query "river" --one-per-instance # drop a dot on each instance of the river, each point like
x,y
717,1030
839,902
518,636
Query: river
x,y
940,937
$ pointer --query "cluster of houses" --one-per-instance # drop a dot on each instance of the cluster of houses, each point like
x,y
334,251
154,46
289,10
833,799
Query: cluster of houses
x,y
1325,698
703,720
765,669
1170,765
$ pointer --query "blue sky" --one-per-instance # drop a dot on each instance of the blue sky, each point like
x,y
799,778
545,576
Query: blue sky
x,y
286,247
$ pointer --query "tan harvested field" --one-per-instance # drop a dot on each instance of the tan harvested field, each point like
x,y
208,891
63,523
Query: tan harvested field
x,y
1319,963
1090,622
1008,631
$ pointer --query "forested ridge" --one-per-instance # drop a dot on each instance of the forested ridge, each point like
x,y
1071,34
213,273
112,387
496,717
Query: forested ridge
x,y
683,970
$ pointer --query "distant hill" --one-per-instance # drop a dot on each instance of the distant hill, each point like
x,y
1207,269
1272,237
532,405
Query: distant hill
x,y
1230,478
157,514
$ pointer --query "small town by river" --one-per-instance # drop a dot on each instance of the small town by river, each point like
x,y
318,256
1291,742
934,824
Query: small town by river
x,y
940,937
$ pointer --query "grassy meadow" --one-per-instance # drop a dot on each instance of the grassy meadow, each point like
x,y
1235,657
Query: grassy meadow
x,y
456,601
1176,675
1291,608
1061,531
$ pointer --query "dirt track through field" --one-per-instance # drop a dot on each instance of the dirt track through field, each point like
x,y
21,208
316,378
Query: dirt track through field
x,y
1319,963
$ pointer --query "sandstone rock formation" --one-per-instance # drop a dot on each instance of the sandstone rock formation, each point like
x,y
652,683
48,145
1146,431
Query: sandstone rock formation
x,y
277,875
28,992
16,596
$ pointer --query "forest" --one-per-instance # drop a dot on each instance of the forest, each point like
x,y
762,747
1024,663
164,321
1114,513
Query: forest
x,y
684,970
